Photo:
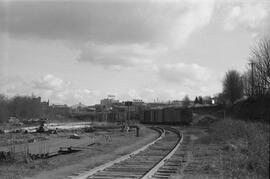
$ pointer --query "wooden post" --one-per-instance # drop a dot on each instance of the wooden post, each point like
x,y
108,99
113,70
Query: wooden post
x,y
137,131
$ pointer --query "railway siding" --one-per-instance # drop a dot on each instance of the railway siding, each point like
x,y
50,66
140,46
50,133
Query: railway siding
x,y
143,163
85,174
155,171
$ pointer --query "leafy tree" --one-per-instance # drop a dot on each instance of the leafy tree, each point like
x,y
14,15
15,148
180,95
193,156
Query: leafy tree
x,y
196,101
200,100
232,86
186,101
219,98
22,107
25,107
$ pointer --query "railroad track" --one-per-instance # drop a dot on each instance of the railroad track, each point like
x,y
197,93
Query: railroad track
x,y
151,161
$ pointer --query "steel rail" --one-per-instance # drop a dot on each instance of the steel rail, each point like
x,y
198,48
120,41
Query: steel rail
x,y
155,168
86,174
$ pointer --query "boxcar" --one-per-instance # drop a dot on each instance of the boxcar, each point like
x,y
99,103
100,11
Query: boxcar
x,y
169,115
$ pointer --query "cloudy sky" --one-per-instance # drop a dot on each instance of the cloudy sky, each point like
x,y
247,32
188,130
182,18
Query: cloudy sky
x,y
81,51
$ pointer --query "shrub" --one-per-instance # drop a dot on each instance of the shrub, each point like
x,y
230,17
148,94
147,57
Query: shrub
x,y
252,141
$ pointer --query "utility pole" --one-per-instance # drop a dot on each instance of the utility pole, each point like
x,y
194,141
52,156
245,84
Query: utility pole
x,y
128,117
128,104
252,77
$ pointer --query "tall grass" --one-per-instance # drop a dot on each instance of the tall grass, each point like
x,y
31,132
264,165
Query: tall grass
x,y
21,153
249,156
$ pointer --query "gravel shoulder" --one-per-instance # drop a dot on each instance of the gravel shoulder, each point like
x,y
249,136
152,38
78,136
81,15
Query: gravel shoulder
x,y
105,149
199,160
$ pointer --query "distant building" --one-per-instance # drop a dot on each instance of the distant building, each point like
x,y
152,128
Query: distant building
x,y
100,107
36,99
60,109
79,108
176,102
109,101
79,105
45,106
207,100
90,109
137,102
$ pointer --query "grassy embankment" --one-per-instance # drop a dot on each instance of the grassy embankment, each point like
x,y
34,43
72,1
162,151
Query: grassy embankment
x,y
245,147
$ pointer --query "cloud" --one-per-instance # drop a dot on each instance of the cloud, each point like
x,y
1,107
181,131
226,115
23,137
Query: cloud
x,y
49,87
249,14
60,91
72,96
196,15
50,82
118,56
112,34
184,74
103,21
150,95
106,21
12,86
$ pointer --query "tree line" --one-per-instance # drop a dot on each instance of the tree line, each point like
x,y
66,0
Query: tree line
x,y
255,81
22,107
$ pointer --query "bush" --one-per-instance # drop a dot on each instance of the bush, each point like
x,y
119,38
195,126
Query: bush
x,y
252,142
3,109
254,108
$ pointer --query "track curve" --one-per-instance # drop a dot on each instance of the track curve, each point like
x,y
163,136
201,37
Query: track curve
x,y
142,163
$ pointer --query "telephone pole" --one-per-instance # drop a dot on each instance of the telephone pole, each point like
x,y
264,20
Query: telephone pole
x,y
252,77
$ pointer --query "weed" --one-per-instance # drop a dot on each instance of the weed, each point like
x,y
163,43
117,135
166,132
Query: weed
x,y
246,147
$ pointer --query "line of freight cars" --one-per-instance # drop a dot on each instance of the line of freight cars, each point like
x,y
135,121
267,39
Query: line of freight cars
x,y
169,115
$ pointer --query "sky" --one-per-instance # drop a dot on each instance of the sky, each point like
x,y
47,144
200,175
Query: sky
x,y
155,50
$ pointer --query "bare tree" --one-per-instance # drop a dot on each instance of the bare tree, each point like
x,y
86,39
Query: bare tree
x,y
258,77
232,86
247,83
25,107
